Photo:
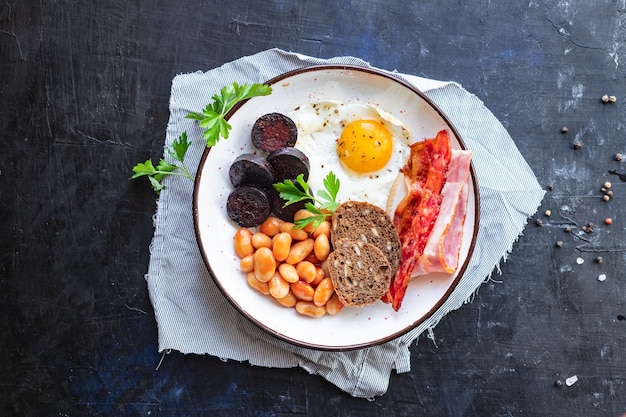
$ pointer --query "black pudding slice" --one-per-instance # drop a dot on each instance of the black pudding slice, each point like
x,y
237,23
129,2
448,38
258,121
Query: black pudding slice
x,y
248,206
251,169
273,131
288,163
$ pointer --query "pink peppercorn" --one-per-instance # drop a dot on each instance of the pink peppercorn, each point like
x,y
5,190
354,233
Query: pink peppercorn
x,y
608,220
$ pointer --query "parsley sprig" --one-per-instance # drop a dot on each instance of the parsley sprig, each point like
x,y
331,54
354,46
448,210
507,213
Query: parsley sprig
x,y
177,151
212,118
322,207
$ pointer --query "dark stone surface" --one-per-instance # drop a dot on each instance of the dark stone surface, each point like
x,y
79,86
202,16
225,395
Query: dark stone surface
x,y
84,89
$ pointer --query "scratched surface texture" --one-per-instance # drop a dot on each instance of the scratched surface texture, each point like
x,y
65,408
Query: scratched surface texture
x,y
84,90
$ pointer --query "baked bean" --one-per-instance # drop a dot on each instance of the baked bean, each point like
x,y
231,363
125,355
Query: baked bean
x,y
243,242
309,309
247,263
264,264
321,248
319,276
311,257
302,291
323,292
281,246
261,240
322,229
324,266
271,226
299,251
289,300
296,234
279,288
288,272
261,287
306,271
334,305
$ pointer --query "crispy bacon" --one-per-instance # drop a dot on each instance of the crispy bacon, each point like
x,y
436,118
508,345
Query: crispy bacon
x,y
415,216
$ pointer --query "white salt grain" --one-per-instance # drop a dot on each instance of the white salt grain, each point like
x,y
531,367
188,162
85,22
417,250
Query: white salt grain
x,y
571,380
580,261
601,277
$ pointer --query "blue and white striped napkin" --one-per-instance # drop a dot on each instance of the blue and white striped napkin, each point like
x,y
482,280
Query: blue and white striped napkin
x,y
193,316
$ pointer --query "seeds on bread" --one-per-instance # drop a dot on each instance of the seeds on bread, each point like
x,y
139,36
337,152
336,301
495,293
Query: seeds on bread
x,y
365,222
359,272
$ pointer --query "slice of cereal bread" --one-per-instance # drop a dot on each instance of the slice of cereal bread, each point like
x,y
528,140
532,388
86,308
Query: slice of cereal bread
x,y
365,222
359,272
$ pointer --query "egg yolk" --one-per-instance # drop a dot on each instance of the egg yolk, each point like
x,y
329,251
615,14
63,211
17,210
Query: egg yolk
x,y
365,146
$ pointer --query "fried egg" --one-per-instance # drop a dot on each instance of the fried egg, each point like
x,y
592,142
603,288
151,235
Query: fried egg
x,y
364,146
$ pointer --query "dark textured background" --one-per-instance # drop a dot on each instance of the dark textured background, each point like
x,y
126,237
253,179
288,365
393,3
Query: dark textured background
x,y
84,90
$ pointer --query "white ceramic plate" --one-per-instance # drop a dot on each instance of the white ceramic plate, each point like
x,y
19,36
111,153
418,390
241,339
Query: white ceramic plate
x,y
353,327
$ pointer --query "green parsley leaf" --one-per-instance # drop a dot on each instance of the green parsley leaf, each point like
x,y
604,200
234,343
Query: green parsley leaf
x,y
331,183
143,169
212,118
177,151
322,207
179,147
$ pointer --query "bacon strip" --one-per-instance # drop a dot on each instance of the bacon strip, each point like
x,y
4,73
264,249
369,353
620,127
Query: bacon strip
x,y
459,167
441,253
425,174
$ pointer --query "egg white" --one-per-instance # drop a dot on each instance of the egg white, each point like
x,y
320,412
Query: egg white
x,y
319,127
